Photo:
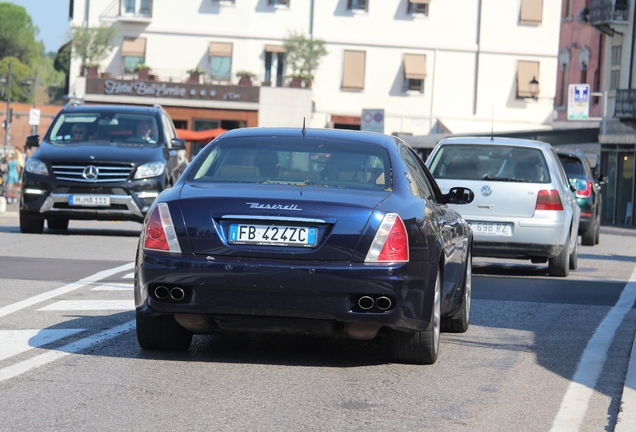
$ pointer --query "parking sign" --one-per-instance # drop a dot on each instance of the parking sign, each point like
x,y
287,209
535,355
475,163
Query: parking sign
x,y
578,102
372,120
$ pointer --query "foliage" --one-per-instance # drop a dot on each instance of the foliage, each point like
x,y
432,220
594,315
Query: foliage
x,y
62,62
197,70
141,66
303,54
92,44
19,72
17,34
249,74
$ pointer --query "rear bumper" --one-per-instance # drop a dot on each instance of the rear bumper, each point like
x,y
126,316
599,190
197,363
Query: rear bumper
x,y
317,297
515,250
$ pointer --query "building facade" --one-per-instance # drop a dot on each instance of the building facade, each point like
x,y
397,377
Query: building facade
x,y
427,66
615,20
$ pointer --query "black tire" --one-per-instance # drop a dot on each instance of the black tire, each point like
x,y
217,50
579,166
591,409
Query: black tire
x,y
30,225
574,257
162,333
461,320
597,232
419,347
588,237
57,224
560,264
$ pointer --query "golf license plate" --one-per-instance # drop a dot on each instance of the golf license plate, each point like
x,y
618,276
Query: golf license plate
x,y
89,200
491,228
273,235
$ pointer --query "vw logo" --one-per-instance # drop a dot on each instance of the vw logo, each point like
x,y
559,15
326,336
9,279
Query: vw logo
x,y
90,172
486,191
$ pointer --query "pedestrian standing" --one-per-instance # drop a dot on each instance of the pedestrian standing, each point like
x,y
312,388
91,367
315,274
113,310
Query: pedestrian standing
x,y
13,177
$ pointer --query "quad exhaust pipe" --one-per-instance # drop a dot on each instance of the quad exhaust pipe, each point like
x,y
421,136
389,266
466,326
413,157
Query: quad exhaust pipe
x,y
176,293
383,303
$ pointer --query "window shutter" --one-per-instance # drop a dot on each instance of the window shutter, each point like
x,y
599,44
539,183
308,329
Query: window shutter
x,y
526,70
531,12
353,74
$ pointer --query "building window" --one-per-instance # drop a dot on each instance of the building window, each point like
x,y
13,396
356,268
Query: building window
x,y
278,2
353,73
140,8
358,5
615,68
220,61
133,52
417,6
414,72
526,72
531,12
274,61
567,9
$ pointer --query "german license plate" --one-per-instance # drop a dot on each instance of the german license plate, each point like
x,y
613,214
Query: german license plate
x,y
491,228
273,235
89,200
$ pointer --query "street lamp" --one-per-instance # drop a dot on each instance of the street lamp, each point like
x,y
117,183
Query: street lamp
x,y
534,88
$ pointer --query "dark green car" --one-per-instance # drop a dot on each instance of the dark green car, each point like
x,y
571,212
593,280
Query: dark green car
x,y
588,194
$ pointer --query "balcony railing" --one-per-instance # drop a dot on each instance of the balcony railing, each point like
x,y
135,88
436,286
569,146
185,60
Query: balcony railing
x,y
625,104
603,12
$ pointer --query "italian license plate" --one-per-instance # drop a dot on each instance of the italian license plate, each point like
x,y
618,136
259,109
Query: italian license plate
x,y
491,228
89,200
273,235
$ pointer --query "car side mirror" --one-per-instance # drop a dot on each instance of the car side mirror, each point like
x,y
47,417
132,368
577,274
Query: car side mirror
x,y
178,144
602,179
33,141
459,195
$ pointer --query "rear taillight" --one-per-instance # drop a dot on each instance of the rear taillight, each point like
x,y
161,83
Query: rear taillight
x,y
391,244
583,188
159,233
549,200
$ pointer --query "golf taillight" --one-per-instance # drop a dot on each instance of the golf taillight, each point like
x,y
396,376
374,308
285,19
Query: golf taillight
x,y
159,233
391,243
549,200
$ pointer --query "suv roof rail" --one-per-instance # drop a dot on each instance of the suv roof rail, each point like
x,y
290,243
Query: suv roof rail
x,y
73,103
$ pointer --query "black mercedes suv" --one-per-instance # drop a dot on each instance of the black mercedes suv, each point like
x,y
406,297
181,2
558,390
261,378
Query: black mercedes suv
x,y
99,163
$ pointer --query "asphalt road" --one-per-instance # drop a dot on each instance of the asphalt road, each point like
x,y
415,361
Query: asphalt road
x,y
542,353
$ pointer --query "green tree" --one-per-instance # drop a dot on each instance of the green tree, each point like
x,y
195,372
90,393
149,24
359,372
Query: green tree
x,y
17,34
92,44
19,72
303,54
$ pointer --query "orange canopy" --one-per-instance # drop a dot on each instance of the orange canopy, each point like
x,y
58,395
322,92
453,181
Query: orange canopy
x,y
204,135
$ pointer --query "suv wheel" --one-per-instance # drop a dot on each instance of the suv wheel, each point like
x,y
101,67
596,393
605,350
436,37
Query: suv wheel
x,y
30,225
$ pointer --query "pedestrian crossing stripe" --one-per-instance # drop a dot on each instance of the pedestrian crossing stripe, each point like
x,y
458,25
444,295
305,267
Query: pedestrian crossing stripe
x,y
90,305
114,287
14,342
128,276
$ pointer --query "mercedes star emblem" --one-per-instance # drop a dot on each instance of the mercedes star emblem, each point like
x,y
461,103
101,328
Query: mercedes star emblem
x,y
91,172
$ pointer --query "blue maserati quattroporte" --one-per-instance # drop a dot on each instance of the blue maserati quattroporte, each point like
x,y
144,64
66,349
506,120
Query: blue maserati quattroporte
x,y
306,231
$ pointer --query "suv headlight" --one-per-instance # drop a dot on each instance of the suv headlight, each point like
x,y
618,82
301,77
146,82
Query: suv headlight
x,y
36,166
150,169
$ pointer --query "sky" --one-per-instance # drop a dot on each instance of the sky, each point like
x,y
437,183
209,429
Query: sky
x,y
51,17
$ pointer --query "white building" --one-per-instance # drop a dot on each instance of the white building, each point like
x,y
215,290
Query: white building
x,y
433,66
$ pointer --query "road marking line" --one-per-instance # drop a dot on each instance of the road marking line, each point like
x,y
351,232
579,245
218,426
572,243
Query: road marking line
x,y
114,287
577,398
75,347
89,305
129,276
626,421
6,310
14,342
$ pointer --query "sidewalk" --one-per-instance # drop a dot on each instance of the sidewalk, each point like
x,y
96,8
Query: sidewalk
x,y
14,206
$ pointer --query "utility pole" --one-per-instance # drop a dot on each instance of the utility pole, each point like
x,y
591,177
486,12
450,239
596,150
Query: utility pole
x,y
34,128
7,123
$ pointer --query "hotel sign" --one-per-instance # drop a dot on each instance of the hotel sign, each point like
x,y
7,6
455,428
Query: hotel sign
x,y
171,90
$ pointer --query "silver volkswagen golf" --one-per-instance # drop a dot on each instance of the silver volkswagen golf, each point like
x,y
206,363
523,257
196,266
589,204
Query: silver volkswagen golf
x,y
524,207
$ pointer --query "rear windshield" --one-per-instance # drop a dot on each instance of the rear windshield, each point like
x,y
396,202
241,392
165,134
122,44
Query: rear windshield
x,y
95,127
484,162
310,162
573,166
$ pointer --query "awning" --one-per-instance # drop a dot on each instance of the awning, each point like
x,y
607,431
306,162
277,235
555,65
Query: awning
x,y
275,48
353,75
415,66
220,49
134,47
420,1
531,11
526,72
204,135
467,127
